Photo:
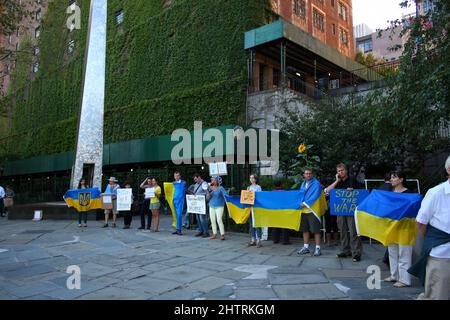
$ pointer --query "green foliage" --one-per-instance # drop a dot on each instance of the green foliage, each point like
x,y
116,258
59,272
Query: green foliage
x,y
168,63
11,13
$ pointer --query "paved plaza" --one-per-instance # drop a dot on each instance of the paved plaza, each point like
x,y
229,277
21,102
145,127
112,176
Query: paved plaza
x,y
131,264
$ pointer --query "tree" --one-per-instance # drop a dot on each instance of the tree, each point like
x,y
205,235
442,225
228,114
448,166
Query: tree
x,y
11,13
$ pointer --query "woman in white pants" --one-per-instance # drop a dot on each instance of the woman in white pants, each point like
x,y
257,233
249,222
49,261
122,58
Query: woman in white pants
x,y
400,256
216,207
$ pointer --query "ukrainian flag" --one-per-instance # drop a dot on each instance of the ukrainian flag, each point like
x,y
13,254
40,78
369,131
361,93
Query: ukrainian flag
x,y
314,199
389,217
83,200
238,212
278,209
175,193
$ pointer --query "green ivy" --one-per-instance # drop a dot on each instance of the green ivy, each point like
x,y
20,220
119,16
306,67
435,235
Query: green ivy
x,y
169,63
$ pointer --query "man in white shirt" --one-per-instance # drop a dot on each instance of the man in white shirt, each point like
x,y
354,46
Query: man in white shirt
x,y
2,204
433,222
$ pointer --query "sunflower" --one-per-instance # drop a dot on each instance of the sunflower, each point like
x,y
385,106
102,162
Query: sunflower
x,y
301,148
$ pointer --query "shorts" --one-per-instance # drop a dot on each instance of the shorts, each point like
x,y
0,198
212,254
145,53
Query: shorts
x,y
114,209
155,206
310,223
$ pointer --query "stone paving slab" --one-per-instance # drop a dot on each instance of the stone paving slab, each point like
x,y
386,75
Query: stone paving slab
x,y
279,279
255,294
182,274
208,284
308,292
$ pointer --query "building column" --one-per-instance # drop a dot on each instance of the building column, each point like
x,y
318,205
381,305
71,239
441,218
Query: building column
x,y
283,79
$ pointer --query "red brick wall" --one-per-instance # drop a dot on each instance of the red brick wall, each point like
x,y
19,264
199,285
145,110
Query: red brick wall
x,y
285,8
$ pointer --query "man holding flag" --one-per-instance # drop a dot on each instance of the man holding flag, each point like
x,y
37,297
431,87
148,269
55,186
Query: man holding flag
x,y
313,207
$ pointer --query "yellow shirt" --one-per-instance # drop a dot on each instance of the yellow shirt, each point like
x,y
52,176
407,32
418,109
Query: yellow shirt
x,y
157,192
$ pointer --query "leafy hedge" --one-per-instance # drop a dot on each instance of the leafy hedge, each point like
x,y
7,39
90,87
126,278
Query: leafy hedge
x,y
169,63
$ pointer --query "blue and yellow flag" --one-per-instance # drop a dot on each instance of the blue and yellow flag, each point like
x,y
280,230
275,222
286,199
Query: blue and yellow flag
x,y
389,217
278,209
83,200
314,198
175,194
238,212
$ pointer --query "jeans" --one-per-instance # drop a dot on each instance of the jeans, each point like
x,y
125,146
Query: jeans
x,y
82,216
186,219
202,222
255,233
2,207
145,211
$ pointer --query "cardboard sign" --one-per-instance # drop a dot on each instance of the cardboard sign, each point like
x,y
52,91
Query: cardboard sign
x,y
149,193
124,199
248,197
218,169
344,203
107,202
196,204
37,215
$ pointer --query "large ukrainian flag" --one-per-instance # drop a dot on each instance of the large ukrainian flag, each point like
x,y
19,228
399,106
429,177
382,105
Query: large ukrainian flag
x,y
238,212
278,209
175,193
83,200
389,217
314,199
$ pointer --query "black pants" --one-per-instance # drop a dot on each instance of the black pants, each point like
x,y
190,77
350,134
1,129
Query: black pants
x,y
330,223
82,216
2,207
127,217
278,232
145,211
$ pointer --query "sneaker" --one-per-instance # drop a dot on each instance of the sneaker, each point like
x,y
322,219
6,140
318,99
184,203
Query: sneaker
x,y
199,234
317,252
175,232
141,228
344,255
79,226
251,244
303,251
357,258
105,225
85,225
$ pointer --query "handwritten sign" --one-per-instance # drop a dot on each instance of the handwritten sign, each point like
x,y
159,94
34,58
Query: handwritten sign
x,y
37,215
149,193
218,169
247,197
124,199
196,204
344,203
107,202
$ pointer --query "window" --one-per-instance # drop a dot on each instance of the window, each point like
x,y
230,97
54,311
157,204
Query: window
x,y
343,11
37,32
300,8
38,15
119,17
343,35
36,51
365,45
332,3
333,29
71,46
35,67
318,20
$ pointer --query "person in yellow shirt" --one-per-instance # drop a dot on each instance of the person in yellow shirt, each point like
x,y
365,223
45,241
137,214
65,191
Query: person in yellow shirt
x,y
155,205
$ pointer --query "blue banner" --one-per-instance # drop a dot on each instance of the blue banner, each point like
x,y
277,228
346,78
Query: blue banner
x,y
344,203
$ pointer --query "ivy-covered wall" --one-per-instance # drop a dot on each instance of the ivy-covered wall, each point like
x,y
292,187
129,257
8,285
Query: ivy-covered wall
x,y
169,63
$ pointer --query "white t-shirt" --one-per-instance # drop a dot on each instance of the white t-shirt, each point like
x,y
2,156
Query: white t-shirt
x,y
2,192
435,210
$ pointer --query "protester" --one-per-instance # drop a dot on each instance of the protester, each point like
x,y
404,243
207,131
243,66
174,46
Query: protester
x,y
255,233
8,201
433,222
145,206
309,222
111,189
178,201
400,256
82,215
386,186
2,204
155,204
128,215
280,233
216,207
351,244
200,188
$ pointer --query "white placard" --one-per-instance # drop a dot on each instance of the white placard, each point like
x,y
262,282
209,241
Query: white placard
x,y
149,193
218,169
196,204
124,199
107,199
37,215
